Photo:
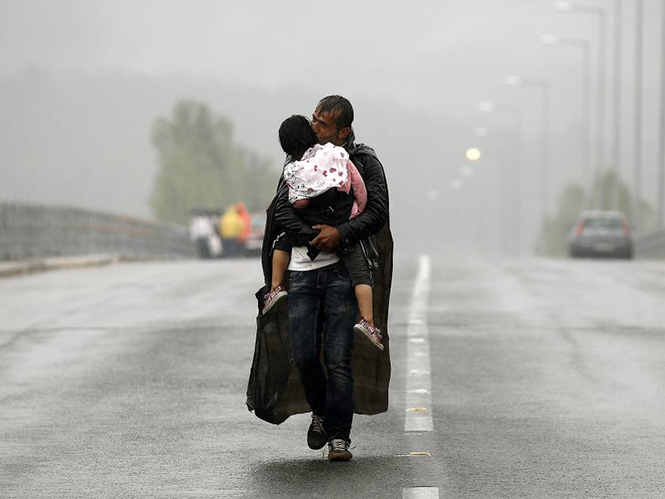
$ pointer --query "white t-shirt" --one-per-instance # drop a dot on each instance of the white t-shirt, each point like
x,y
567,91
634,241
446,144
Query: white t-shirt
x,y
301,262
200,228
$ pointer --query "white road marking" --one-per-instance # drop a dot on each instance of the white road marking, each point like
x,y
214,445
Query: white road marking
x,y
418,379
420,493
415,454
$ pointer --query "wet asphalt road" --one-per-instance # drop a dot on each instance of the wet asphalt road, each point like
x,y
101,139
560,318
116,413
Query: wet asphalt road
x,y
129,381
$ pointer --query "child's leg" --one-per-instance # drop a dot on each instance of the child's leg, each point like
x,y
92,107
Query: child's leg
x,y
364,296
355,263
361,277
280,262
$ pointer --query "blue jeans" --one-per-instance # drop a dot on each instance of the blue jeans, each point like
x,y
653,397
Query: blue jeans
x,y
319,300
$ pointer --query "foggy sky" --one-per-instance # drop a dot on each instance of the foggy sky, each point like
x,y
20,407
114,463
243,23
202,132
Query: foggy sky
x,y
429,60
431,53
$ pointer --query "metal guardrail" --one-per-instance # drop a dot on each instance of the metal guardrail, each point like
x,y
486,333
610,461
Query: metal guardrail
x,y
33,231
650,245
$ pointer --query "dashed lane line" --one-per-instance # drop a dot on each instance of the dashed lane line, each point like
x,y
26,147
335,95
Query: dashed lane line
x,y
418,379
420,493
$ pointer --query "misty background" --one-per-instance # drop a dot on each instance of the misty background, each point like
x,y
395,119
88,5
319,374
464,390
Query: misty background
x,y
82,84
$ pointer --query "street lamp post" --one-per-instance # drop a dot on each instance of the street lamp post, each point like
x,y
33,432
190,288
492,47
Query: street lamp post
x,y
602,57
544,87
516,177
491,186
584,45
616,122
661,150
637,169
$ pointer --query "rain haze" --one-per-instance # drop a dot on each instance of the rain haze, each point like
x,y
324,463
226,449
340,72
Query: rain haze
x,y
170,327
82,84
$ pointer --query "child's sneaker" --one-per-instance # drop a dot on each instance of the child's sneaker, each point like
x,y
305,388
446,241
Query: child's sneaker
x,y
372,333
273,297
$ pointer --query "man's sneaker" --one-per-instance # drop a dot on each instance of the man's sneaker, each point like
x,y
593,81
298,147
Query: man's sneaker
x,y
338,450
273,297
316,435
372,333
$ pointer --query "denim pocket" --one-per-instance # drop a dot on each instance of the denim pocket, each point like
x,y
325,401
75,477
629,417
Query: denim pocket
x,y
295,276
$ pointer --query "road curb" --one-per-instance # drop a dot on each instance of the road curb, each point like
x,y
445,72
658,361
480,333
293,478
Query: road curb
x,y
10,269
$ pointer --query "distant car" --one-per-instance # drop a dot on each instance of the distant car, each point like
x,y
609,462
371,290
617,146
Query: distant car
x,y
601,234
254,242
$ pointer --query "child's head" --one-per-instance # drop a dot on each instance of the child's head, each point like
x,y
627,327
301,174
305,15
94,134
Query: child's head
x,y
296,136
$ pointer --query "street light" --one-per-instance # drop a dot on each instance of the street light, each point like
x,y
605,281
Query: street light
x,y
584,45
473,154
486,107
500,149
549,39
563,6
513,80
544,87
481,131
568,7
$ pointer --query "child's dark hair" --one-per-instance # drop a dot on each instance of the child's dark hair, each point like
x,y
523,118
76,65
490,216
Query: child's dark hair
x,y
296,136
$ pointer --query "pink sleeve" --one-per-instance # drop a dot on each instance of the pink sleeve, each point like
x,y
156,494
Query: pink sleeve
x,y
359,190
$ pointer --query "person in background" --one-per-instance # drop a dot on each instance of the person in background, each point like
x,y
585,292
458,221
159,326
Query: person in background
x,y
230,229
200,231
246,226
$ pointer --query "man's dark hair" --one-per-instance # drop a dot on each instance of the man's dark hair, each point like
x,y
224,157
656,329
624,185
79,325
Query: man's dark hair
x,y
339,109
296,136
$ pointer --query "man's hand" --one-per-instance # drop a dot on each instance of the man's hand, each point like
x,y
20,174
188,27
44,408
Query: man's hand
x,y
328,238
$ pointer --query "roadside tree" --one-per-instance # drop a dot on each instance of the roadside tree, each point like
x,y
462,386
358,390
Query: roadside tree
x,y
201,166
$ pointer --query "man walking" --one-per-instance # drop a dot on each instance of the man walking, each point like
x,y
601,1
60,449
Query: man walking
x,y
322,307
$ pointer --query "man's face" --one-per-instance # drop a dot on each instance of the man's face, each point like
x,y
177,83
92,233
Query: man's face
x,y
325,128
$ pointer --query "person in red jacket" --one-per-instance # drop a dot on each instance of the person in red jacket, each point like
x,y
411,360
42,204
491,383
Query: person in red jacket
x,y
246,223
